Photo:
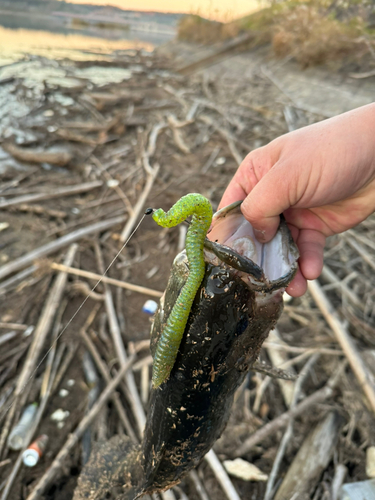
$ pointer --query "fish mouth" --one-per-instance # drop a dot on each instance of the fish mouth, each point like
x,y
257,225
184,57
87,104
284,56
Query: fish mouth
x,y
263,266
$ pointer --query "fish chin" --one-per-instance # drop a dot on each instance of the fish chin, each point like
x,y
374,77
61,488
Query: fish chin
x,y
277,258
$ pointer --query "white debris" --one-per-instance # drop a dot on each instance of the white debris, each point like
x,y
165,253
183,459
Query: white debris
x,y
220,161
244,470
112,183
63,393
149,307
60,415
370,461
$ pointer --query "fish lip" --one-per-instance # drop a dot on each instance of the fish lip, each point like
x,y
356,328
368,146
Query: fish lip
x,y
251,272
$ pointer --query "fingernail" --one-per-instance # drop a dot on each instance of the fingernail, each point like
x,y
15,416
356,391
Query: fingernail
x,y
260,235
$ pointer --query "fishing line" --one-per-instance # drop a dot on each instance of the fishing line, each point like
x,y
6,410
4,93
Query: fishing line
x,y
147,212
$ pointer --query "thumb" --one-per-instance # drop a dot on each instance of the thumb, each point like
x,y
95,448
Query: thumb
x,y
268,199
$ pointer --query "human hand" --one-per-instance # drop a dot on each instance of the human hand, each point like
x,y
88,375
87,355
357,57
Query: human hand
x,y
322,177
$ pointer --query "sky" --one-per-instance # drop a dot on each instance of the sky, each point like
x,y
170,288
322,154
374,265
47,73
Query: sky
x,y
214,9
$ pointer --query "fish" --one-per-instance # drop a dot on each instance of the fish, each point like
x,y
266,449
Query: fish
x,y
237,303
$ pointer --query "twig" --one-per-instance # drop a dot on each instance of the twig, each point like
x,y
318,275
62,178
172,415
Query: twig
x,y
198,485
135,400
56,245
281,421
48,378
221,475
139,205
153,137
73,438
68,358
16,278
36,156
366,256
177,137
56,193
278,357
106,279
107,377
13,326
345,340
338,480
330,276
226,135
40,333
289,431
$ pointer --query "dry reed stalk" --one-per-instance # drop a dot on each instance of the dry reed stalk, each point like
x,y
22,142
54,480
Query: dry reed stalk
x,y
106,279
345,340
40,333
56,245
74,438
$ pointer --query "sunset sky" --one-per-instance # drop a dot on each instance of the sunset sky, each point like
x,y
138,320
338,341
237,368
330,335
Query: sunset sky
x,y
218,9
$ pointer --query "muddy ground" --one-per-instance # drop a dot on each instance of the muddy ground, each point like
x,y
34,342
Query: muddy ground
x,y
194,130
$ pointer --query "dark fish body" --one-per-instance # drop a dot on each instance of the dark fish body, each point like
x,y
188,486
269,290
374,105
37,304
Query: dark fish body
x,y
188,413
228,322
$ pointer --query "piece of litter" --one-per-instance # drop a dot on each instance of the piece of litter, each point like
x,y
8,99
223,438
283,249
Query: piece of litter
x,y
112,183
4,225
221,160
149,307
362,490
244,470
31,456
63,393
60,415
70,382
48,112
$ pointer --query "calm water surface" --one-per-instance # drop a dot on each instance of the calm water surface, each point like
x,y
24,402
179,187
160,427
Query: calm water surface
x,y
19,37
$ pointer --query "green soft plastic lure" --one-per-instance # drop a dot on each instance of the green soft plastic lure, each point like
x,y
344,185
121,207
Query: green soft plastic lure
x,y
200,209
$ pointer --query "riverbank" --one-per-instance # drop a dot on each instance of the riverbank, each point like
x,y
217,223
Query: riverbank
x,y
86,146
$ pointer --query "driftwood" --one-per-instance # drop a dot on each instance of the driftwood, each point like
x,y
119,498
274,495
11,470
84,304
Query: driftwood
x,y
59,158
52,247
103,99
312,459
55,193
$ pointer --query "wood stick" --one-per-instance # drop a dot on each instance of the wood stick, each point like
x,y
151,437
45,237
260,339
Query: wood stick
x,y
73,438
366,256
289,431
278,423
198,485
221,475
345,340
55,193
330,276
226,135
13,326
107,377
135,400
40,333
139,205
106,279
48,379
312,458
60,158
56,245
278,357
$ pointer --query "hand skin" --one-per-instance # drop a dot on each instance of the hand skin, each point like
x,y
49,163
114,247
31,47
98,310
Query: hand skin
x,y
322,177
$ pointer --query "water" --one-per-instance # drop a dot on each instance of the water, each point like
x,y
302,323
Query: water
x,y
39,52
22,35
